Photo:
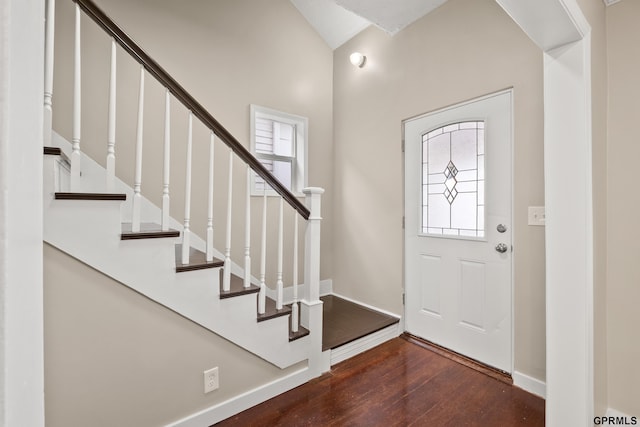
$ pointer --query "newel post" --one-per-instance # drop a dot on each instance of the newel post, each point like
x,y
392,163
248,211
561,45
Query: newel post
x,y
311,306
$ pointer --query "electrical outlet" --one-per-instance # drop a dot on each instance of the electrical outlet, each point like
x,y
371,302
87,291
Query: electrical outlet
x,y
536,215
211,380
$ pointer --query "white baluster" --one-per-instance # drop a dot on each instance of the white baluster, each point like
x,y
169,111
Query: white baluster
x,y
279,284
210,207
77,108
262,296
226,276
247,233
186,232
111,133
48,71
137,179
295,313
166,200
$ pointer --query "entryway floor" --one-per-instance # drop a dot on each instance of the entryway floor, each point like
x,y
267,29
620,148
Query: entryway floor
x,y
344,321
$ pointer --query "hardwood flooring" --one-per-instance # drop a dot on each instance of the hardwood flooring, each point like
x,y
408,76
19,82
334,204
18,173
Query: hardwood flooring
x,y
398,383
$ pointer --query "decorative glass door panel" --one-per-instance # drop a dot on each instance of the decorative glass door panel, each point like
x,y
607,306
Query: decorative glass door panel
x,y
453,180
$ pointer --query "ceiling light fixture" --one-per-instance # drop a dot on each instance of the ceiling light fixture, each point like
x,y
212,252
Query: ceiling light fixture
x,y
357,59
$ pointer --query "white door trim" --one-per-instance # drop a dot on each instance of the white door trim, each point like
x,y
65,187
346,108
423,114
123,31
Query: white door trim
x,y
563,33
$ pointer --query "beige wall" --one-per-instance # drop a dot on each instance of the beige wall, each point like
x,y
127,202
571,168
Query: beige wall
x,y
623,151
464,49
228,54
115,358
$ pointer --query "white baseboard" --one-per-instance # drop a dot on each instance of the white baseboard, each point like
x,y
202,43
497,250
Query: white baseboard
x,y
530,384
363,344
365,305
326,287
235,405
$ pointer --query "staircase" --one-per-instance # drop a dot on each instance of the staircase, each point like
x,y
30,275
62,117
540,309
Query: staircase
x,y
111,226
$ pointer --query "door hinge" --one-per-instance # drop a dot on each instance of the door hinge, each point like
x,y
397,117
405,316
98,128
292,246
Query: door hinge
x,y
403,222
402,145
403,298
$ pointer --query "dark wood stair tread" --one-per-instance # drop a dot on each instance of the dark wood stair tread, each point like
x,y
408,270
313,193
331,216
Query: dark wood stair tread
x,y
148,230
52,151
302,332
271,312
91,196
56,151
197,260
237,287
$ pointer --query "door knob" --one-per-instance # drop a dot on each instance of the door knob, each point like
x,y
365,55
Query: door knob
x,y
501,247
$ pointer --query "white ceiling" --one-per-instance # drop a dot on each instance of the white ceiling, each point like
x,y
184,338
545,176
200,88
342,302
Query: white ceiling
x,y
335,24
339,20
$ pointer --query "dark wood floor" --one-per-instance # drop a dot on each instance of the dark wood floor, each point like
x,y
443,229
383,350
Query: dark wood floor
x,y
344,321
398,384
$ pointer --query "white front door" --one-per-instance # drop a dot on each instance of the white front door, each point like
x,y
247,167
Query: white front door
x,y
458,228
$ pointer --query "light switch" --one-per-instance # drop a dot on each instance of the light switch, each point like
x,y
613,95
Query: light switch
x,y
536,215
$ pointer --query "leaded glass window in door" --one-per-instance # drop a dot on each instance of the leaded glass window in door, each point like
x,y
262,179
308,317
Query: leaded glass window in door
x,y
453,160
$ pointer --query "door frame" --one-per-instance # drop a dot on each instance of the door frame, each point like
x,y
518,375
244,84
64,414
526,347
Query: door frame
x,y
463,103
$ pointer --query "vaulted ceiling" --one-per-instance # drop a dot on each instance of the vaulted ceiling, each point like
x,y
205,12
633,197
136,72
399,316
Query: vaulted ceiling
x,y
339,20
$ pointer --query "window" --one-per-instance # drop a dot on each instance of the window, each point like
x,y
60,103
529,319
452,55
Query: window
x,y
453,180
278,140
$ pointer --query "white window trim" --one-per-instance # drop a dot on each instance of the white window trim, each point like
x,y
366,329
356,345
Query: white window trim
x,y
300,166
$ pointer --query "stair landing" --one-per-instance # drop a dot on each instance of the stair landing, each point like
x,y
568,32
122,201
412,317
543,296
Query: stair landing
x,y
345,321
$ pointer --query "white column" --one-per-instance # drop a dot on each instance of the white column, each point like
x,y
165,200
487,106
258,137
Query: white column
x,y
568,236
21,236
262,296
137,179
111,133
311,304
210,201
247,232
295,314
279,284
186,232
166,170
226,276
48,71
77,108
